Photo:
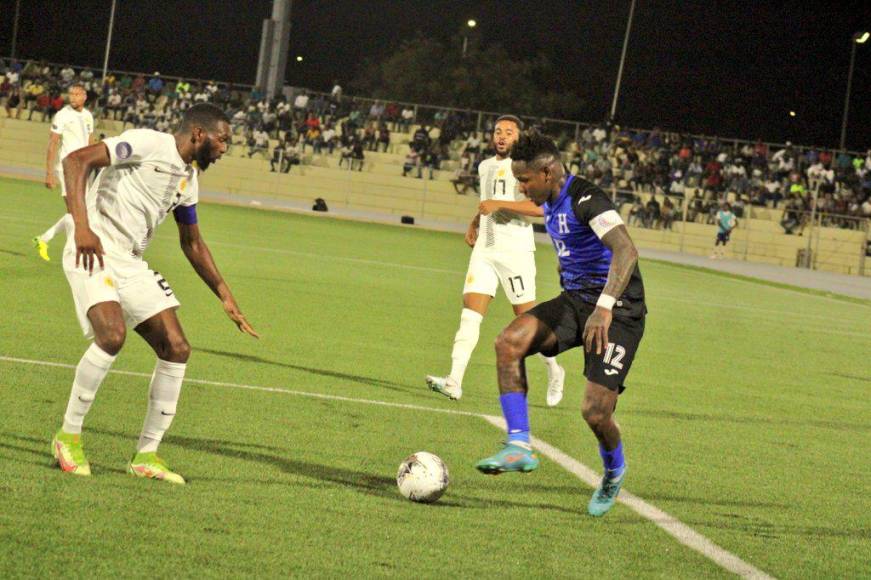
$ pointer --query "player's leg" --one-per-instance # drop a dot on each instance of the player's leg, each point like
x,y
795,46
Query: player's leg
x,y
163,332
606,373
64,224
538,330
517,274
107,324
478,291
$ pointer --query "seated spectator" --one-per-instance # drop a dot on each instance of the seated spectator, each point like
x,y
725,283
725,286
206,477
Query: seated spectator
x,y
667,213
636,213
420,141
383,137
313,138
368,141
346,153
328,139
155,87
357,156
43,104
463,181
652,213
791,216
412,161
258,142
13,102
472,145
114,105
406,118
376,111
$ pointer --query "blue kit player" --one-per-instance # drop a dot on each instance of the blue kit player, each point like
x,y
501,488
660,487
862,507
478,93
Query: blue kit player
x,y
601,307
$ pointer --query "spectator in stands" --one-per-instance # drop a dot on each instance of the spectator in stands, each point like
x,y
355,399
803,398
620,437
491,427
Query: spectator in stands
x,y
336,93
472,145
300,103
667,214
312,137
155,87
420,141
13,101
346,153
412,161
67,74
636,213
383,137
357,156
368,141
791,216
258,142
406,118
328,139
651,213
376,111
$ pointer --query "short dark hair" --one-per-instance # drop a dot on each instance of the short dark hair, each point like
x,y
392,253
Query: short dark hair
x,y
205,115
512,118
76,85
533,146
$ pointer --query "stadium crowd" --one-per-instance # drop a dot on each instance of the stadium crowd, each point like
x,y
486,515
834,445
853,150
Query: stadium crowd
x,y
676,168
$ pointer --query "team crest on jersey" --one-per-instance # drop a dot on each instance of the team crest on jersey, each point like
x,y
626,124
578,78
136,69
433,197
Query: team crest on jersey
x,y
501,173
182,184
123,150
109,282
470,279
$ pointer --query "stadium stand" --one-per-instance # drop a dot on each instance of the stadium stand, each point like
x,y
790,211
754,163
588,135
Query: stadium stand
x,y
395,159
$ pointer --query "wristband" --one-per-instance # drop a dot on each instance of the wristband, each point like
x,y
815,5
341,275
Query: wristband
x,y
606,302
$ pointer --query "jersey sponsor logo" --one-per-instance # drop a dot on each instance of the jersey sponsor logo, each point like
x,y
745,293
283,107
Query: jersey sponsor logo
x,y
123,150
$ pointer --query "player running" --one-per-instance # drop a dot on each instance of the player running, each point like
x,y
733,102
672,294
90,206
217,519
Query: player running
x,y
73,128
504,253
148,175
726,222
601,306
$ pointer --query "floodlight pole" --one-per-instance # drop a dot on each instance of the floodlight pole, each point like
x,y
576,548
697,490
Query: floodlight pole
x,y
622,60
108,41
853,44
15,29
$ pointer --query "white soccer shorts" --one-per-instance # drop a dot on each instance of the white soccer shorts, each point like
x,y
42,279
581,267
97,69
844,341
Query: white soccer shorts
x,y
141,292
515,271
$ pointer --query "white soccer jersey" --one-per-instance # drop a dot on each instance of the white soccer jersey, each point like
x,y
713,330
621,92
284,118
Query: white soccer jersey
x,y
498,231
74,127
146,180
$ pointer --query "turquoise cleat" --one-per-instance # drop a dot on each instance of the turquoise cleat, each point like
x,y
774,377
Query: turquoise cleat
x,y
513,457
604,497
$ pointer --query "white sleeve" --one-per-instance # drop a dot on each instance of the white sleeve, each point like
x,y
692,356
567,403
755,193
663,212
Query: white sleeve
x,y
58,122
605,222
133,146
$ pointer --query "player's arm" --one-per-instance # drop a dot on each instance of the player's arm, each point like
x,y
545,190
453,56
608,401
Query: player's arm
x,y
526,207
472,232
51,158
593,207
197,252
77,166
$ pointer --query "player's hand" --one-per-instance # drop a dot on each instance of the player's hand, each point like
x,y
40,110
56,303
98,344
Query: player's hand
x,y
232,310
49,181
89,249
596,330
472,236
488,206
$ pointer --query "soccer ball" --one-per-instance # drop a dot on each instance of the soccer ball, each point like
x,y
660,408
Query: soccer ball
x,y
422,477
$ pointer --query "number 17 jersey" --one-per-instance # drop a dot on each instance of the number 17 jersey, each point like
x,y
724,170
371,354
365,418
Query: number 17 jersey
x,y
502,231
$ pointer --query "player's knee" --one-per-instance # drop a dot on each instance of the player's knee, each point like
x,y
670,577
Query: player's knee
x,y
111,338
595,416
510,344
176,349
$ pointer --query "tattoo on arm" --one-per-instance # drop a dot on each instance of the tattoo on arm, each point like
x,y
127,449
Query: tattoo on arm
x,y
623,261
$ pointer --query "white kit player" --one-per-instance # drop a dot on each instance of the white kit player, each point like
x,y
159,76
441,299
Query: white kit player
x,y
71,128
148,175
504,253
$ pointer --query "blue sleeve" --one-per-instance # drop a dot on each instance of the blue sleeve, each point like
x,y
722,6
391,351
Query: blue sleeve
x,y
186,214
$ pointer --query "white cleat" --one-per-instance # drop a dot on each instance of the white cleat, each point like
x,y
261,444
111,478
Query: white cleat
x,y
555,383
445,386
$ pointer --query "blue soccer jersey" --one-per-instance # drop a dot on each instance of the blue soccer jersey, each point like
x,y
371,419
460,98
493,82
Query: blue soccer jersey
x,y
576,222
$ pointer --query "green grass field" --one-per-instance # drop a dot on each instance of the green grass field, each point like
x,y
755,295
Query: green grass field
x,y
747,417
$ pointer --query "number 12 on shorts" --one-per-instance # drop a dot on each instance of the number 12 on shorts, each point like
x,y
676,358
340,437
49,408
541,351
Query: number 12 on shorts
x,y
614,354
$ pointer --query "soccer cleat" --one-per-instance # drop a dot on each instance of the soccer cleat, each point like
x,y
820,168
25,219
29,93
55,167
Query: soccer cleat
x,y
42,248
555,383
67,450
445,386
150,466
513,457
605,496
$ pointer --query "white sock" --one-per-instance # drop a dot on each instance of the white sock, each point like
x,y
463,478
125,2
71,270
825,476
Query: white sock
x,y
550,362
64,223
162,400
464,344
90,372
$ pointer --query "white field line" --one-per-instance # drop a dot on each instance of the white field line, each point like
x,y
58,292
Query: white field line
x,y
671,525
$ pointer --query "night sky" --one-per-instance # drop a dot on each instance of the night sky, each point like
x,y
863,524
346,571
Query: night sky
x,y
734,69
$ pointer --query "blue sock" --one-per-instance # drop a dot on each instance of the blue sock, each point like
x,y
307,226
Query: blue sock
x,y
515,411
613,460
